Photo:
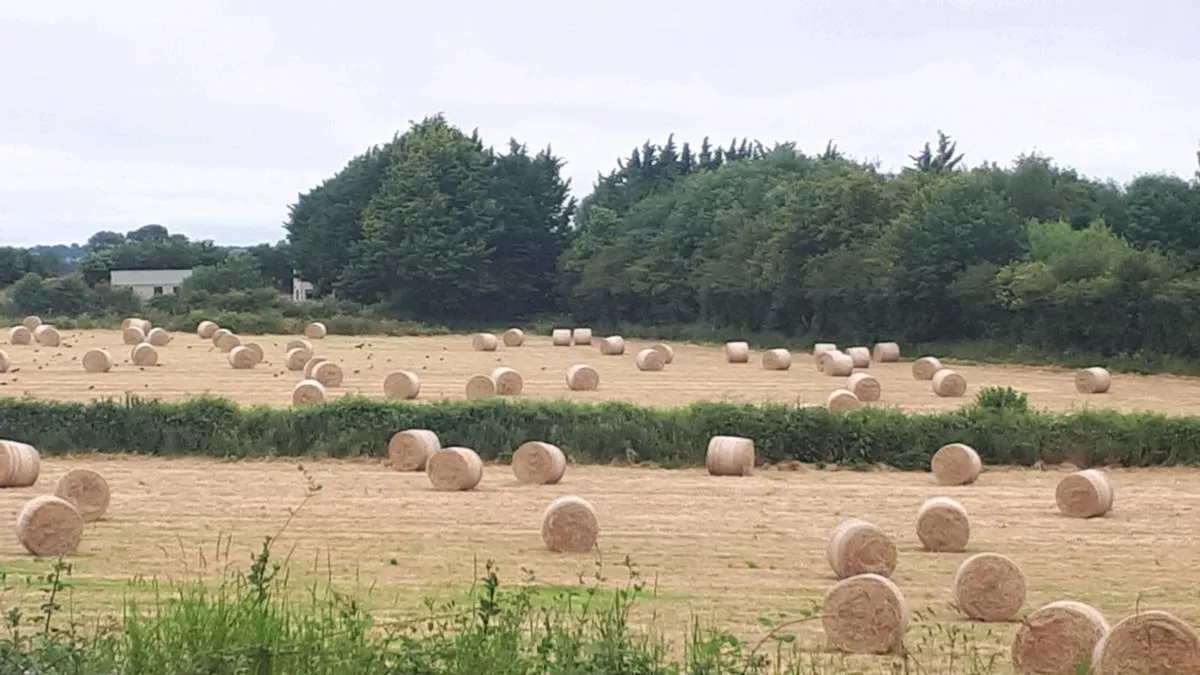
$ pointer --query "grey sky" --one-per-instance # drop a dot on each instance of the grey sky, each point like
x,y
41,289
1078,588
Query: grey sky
x,y
210,117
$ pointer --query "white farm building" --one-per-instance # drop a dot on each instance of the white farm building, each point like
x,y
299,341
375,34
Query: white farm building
x,y
149,283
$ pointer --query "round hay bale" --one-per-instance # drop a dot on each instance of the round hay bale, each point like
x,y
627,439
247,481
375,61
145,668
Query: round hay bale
x,y
480,386
144,354
242,358
49,527
776,359
127,322
858,547
956,464
865,387
943,525
1084,494
539,463
296,358
228,341
865,614
730,456
925,367
402,384
1093,381
1056,638
4,362
158,337
508,381
97,361
822,347
484,342
581,337
315,330
513,337
297,343
206,329
582,377
989,587
328,373
47,335
31,322
667,351
20,464
613,345
20,335
307,392
218,334
835,364
454,469
87,491
949,384
255,349
1147,642
310,364
408,450
561,337
841,400
737,352
650,359
886,352
569,525
133,335
860,356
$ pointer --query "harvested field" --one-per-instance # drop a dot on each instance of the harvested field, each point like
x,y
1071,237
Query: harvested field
x,y
740,550
190,366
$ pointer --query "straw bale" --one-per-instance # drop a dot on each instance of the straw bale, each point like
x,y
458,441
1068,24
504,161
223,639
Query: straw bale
x,y
307,392
228,341
865,614
4,362
513,337
650,359
328,373
569,525
949,384
1148,642
47,335
87,491
613,345
206,329
133,335
20,335
297,358
581,337
835,363
737,352
126,323
943,525
864,386
508,381
218,334
925,367
956,464
886,352
561,337
402,384
1084,494
20,464
408,450
144,354
667,350
255,349
861,356
1093,381
315,330
97,361
242,358
730,456
989,587
539,463
454,468
858,547
158,337
49,527
1056,638
480,386
298,343
776,359
484,342
582,377
822,347
841,400
310,365
31,322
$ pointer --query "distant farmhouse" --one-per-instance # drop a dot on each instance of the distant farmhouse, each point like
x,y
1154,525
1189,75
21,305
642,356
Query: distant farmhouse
x,y
149,283
301,290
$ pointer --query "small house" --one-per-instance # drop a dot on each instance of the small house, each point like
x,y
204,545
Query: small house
x,y
149,283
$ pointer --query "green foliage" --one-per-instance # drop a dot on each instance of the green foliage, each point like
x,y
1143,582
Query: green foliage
x,y
1004,399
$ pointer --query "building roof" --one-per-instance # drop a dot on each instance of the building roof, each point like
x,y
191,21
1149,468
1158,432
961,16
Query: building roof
x,y
148,277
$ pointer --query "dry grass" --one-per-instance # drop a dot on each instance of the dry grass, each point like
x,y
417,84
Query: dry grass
x,y
190,366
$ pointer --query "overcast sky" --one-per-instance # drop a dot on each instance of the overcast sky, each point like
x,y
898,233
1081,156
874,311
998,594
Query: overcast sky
x,y
211,117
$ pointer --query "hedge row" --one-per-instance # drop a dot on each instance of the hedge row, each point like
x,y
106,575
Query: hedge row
x,y
351,427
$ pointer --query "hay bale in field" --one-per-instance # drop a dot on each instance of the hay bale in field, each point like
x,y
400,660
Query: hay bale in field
x,y
144,354
47,335
865,614
561,337
408,450
860,356
539,463
737,352
307,392
1084,494
20,464
127,322
484,342
310,365
228,341
925,367
206,329
667,351
776,359
613,345
822,347
158,337
858,547
133,335
956,464
97,361
297,358
20,335
835,364
513,337
729,456
4,362
255,349
508,381
865,387
841,400
87,491
949,384
328,373
218,334
989,587
582,377
943,525
1093,381
454,468
886,352
480,386
1056,638
581,337
402,384
297,343
31,322
315,331
242,358
650,360
49,527
569,525
1147,642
